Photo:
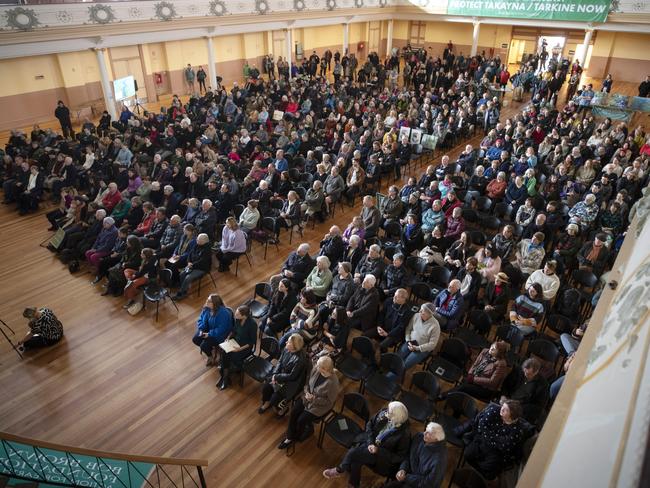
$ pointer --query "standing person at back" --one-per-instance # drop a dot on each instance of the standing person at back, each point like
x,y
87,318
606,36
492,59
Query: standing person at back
x,y
190,76
63,114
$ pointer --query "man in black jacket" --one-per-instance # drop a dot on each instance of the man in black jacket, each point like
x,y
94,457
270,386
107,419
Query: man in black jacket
x,y
427,460
296,268
63,114
332,246
363,305
391,321
533,390
199,262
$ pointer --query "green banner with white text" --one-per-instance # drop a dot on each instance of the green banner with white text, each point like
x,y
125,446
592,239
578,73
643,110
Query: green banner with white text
x,y
567,10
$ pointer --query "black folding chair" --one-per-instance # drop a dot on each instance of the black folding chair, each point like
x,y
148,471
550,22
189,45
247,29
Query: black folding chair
x,y
449,363
421,397
385,382
258,367
342,428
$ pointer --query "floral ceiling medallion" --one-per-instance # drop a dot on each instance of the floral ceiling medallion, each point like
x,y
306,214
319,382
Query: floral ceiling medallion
x,y
22,18
64,16
262,6
135,12
383,3
330,4
101,14
299,5
358,3
165,11
218,8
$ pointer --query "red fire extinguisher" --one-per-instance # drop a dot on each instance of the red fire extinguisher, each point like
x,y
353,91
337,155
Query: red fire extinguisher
x,y
158,79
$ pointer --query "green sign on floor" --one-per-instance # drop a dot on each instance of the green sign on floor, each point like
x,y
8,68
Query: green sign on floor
x,y
568,10
22,461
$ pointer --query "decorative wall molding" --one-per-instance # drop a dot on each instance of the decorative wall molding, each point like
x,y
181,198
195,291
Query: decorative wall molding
x,y
55,28
52,16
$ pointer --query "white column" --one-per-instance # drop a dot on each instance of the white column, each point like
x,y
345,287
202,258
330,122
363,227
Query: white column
x,y
475,33
346,38
212,68
289,50
389,39
107,91
586,42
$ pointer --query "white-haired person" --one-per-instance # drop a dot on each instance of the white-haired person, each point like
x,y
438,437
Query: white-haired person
x,y
317,399
319,280
363,305
296,267
199,262
426,463
382,447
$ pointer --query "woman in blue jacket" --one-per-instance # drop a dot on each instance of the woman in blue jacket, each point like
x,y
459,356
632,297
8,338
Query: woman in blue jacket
x,y
213,326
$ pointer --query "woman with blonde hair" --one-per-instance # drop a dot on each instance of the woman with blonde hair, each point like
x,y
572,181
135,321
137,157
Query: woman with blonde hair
x,y
318,398
385,444
287,377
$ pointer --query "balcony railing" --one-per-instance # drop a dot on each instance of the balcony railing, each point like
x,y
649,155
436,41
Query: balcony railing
x,y
37,462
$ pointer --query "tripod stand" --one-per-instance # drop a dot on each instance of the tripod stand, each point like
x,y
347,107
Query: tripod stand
x,y
15,348
138,106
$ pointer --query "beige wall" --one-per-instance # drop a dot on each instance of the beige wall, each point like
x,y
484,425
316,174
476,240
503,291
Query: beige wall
x,y
74,77
626,56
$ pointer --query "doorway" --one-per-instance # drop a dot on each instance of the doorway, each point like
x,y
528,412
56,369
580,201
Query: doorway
x,y
520,48
554,45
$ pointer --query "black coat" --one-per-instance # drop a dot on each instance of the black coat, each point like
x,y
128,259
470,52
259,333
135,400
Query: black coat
x,y
364,305
291,372
393,449
352,256
332,247
300,266
201,257
394,318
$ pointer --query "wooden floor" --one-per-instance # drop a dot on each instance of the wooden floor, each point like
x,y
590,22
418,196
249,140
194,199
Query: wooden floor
x,y
133,385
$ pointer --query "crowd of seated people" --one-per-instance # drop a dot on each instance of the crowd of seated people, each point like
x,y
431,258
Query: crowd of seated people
x,y
506,230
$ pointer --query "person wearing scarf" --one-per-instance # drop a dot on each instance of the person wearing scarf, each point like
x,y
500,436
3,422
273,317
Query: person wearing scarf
x,y
383,446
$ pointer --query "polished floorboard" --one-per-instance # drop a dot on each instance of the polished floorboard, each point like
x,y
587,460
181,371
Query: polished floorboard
x,y
133,385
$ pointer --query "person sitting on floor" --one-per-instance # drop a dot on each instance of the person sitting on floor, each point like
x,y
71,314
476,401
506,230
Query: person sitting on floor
x,y
44,329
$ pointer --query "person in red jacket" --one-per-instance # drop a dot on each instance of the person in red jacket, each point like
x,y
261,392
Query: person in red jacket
x,y
504,77
112,198
147,219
